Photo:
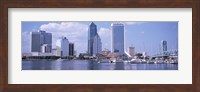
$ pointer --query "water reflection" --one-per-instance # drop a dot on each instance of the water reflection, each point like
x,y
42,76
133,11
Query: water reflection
x,y
91,65
105,66
56,65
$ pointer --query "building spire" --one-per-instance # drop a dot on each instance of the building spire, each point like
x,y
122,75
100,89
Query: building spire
x,y
92,24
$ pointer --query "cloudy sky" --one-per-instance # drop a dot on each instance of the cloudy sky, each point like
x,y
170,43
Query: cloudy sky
x,y
144,36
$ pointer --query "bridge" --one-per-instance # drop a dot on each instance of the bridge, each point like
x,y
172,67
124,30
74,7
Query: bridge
x,y
166,54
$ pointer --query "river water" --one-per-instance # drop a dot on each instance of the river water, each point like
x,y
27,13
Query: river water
x,y
90,65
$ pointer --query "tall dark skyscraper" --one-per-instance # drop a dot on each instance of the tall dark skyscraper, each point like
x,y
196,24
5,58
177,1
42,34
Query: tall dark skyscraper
x,y
71,49
92,32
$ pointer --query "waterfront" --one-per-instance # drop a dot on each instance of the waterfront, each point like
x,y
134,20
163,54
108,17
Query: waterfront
x,y
91,65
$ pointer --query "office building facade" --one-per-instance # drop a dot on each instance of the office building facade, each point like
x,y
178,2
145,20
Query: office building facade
x,y
38,39
62,47
71,49
92,32
117,38
97,45
35,42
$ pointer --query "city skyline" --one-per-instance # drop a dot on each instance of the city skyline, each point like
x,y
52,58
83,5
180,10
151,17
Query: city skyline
x,y
136,34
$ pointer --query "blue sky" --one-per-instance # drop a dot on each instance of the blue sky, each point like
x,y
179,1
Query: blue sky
x,y
144,36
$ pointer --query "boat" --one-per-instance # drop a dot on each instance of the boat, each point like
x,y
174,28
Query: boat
x,y
113,60
135,61
151,62
143,61
59,59
174,62
103,61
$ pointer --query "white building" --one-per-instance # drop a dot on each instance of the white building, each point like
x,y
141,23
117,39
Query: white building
x,y
62,47
45,48
41,54
144,54
97,45
117,38
105,51
40,38
131,51
26,54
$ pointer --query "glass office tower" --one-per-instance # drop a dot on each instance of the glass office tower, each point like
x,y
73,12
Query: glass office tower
x,y
163,46
97,45
92,32
117,38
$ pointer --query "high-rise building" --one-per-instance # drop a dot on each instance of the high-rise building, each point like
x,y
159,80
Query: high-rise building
x,y
117,38
40,38
163,46
131,51
35,42
92,32
62,47
97,45
71,49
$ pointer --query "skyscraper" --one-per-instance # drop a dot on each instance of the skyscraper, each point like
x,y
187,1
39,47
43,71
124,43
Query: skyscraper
x,y
46,39
40,38
97,45
71,49
35,42
163,46
62,47
117,38
92,32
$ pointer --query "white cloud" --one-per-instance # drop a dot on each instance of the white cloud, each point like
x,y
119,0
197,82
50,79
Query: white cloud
x,y
74,31
69,29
